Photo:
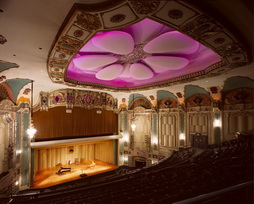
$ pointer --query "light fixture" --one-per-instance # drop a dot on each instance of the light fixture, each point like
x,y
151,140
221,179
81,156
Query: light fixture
x,y
19,151
125,137
31,130
182,136
217,123
16,183
133,127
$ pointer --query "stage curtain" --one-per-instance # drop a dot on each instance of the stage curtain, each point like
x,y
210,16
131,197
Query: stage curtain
x,y
56,123
102,152
52,156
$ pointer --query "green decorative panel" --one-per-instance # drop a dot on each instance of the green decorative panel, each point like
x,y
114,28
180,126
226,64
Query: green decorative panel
x,y
134,96
237,82
161,94
191,90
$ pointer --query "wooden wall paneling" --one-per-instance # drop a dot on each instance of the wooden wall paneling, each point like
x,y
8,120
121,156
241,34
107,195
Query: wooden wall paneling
x,y
56,123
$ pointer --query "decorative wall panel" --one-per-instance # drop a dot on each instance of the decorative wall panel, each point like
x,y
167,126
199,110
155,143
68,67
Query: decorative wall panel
x,y
169,130
238,111
76,98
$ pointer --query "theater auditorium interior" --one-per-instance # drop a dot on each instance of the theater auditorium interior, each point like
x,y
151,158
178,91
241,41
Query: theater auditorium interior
x,y
126,101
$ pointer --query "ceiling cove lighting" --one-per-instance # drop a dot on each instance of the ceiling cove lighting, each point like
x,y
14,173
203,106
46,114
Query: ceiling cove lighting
x,y
140,54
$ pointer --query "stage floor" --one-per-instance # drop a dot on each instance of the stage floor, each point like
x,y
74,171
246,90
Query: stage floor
x,y
48,177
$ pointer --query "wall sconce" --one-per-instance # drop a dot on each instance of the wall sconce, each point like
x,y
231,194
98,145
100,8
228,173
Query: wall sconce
x,y
18,151
125,137
133,127
31,131
182,136
217,123
16,183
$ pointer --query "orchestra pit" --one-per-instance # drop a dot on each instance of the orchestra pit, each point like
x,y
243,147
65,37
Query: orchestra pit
x,y
126,101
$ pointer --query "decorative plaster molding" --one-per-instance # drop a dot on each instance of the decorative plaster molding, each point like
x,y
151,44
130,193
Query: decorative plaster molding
x,y
84,23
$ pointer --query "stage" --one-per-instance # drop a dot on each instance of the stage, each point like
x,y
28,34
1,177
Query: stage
x,y
48,177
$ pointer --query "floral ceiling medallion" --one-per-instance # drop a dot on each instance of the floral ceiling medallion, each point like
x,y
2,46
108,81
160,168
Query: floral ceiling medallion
x,y
122,50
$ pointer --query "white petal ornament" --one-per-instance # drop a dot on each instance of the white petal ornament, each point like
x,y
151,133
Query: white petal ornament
x,y
110,72
126,71
168,62
140,71
172,42
142,32
93,61
117,42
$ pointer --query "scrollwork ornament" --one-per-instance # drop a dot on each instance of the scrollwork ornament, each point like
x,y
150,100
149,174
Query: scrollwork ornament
x,y
145,6
62,56
78,33
117,18
229,50
88,21
175,14
219,40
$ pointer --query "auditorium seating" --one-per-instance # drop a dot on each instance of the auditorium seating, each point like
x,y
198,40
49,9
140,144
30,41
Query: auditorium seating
x,y
185,174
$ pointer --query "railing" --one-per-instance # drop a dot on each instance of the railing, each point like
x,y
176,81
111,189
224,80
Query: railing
x,y
7,180
208,196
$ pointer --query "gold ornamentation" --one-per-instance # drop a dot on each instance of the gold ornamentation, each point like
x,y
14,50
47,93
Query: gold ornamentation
x,y
137,54
117,18
198,100
201,28
145,6
79,98
175,14
169,103
62,56
141,102
229,50
88,21
65,50
7,104
78,33
219,40
57,63
68,45
239,96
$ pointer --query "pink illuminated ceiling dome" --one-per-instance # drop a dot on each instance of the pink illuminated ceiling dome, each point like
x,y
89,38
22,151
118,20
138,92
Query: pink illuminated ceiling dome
x,y
143,53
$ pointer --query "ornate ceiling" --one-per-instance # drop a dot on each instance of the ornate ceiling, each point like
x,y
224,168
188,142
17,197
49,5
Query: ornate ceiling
x,y
122,46
138,45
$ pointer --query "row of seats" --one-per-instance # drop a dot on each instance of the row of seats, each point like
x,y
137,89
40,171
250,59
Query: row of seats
x,y
185,174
